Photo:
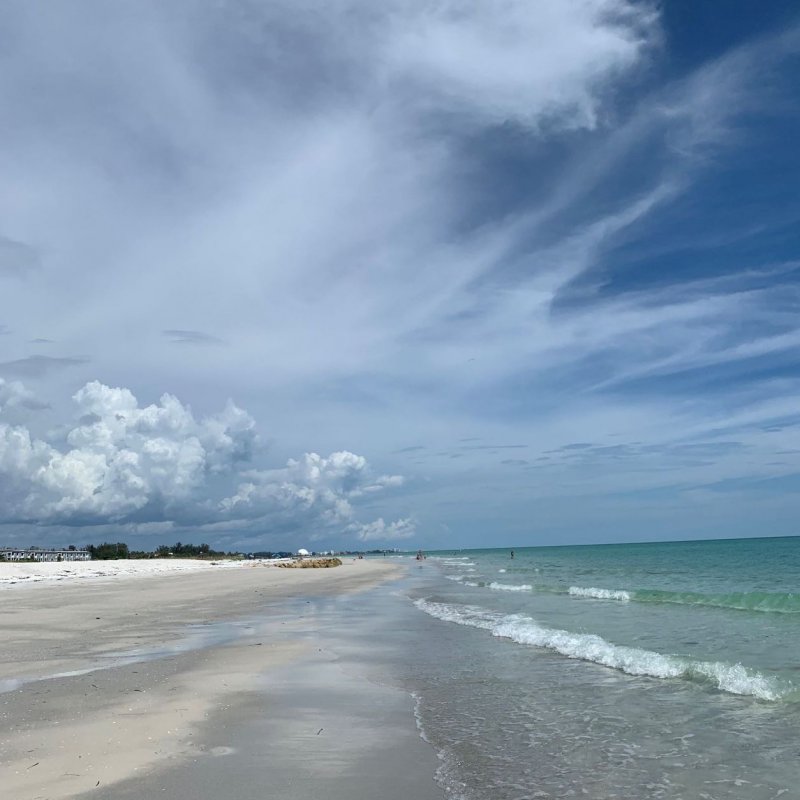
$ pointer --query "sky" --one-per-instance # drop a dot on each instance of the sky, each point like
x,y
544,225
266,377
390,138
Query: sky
x,y
416,273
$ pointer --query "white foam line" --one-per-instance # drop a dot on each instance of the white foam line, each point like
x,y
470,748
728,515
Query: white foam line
x,y
731,678
510,587
599,594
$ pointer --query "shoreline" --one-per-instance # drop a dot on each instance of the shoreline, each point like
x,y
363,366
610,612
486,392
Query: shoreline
x,y
119,679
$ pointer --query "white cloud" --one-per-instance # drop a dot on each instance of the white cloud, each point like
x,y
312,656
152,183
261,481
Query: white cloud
x,y
312,490
334,184
543,62
15,396
151,469
380,531
119,460
157,468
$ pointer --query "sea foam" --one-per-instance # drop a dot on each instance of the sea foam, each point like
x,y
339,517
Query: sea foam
x,y
510,587
731,678
599,594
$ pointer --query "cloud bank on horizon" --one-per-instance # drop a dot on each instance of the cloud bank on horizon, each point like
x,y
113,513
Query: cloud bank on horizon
x,y
139,467
537,261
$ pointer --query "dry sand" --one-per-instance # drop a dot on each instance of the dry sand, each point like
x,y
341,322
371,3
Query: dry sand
x,y
17,573
112,678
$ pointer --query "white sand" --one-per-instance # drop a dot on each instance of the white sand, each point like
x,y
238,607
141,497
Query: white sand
x,y
18,574
107,719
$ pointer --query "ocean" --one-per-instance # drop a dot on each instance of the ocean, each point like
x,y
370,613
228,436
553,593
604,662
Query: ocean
x,y
667,670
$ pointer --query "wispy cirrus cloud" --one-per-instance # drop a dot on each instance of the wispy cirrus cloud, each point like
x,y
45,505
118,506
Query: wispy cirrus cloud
x,y
16,258
39,366
177,336
412,222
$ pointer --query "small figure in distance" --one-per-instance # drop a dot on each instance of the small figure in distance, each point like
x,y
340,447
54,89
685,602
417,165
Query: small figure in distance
x,y
512,554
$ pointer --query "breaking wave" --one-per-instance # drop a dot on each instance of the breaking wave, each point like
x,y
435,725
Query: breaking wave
x,y
731,678
765,602
769,602
599,594
510,587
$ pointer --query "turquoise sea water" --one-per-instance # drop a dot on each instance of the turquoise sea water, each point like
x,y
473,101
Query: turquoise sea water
x,y
628,671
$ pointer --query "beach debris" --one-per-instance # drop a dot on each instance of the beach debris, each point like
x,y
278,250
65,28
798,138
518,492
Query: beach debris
x,y
320,731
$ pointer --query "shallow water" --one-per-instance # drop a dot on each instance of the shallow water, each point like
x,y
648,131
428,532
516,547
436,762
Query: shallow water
x,y
663,671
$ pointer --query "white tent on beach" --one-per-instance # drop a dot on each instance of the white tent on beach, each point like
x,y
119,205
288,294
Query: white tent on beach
x,y
302,552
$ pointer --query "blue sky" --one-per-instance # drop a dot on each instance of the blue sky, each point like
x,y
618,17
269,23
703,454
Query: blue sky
x,y
429,274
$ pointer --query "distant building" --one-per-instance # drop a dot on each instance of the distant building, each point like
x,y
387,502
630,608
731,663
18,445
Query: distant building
x,y
42,554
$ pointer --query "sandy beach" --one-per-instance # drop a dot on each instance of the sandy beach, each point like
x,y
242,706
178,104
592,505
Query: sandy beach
x,y
112,680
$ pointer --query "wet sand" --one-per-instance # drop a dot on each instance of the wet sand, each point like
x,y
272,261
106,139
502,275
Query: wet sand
x,y
168,685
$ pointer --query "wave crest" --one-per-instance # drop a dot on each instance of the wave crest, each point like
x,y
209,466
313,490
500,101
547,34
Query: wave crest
x,y
599,594
510,587
764,602
730,678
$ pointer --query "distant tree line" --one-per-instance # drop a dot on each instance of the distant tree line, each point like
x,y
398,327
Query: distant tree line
x,y
116,550
191,550
108,551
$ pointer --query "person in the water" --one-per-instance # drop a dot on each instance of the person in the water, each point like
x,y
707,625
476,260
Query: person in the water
x,y
512,554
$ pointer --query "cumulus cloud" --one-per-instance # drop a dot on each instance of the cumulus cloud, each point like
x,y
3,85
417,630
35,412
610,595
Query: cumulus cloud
x,y
120,461
14,395
157,467
312,489
380,531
